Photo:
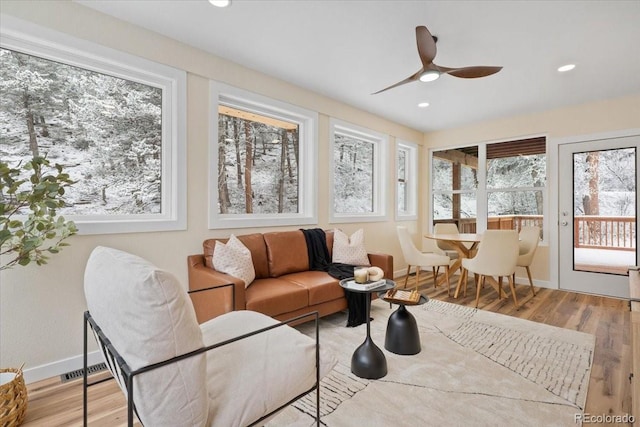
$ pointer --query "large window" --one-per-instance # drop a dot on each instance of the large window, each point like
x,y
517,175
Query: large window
x,y
516,179
113,121
454,177
406,181
357,173
501,183
263,170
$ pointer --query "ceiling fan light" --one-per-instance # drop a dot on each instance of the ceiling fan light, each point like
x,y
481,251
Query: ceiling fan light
x,y
220,3
429,76
567,67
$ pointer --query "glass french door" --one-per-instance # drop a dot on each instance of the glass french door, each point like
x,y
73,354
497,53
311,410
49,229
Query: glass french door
x,y
598,207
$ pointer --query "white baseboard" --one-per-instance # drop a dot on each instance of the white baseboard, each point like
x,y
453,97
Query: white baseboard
x,y
60,367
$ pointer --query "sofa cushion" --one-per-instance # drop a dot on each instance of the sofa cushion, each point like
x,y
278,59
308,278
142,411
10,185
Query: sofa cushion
x,y
275,296
287,252
320,285
148,317
349,250
254,242
234,258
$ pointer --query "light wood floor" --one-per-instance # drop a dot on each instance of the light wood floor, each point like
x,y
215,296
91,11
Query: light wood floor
x,y
52,403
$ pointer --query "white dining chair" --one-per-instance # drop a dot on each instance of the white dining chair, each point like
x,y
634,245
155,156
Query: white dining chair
x,y
529,239
446,228
418,259
497,256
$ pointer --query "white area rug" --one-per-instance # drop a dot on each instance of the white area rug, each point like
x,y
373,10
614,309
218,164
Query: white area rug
x,y
475,368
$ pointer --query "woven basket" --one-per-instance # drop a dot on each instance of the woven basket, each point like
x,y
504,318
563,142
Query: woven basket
x,y
13,400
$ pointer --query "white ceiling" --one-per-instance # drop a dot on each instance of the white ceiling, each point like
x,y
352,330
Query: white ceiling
x,y
349,49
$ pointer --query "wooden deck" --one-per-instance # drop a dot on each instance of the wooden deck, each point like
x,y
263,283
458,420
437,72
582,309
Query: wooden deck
x,y
52,403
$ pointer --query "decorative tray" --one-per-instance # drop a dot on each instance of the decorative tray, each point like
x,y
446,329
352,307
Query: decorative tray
x,y
401,296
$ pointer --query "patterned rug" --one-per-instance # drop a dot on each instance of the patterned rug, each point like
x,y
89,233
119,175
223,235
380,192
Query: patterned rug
x,y
475,368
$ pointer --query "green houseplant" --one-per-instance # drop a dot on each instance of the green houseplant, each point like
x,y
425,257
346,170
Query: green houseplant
x,y
30,228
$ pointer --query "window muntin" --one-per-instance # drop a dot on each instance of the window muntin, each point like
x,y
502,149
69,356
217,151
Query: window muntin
x,y
280,186
357,173
407,180
115,121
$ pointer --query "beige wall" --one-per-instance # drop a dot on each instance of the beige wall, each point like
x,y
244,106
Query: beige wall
x,y
587,119
41,307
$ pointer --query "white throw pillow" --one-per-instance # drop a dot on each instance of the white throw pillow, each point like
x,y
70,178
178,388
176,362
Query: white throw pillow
x,y
234,259
349,250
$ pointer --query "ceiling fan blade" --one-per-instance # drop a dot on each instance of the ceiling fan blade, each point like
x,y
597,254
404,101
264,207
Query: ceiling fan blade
x,y
426,46
470,72
409,79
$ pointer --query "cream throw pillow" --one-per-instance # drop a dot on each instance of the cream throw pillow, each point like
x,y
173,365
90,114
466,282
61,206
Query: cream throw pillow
x,y
234,259
349,250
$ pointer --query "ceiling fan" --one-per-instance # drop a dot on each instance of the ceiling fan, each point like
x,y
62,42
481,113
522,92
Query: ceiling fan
x,y
430,71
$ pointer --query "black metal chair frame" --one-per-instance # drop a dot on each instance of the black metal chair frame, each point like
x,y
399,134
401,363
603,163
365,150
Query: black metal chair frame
x,y
121,371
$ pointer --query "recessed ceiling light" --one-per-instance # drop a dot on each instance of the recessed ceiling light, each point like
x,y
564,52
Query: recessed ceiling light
x,y
567,67
220,3
423,105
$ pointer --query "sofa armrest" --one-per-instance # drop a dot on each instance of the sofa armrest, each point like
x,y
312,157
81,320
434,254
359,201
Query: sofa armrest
x,y
216,302
384,261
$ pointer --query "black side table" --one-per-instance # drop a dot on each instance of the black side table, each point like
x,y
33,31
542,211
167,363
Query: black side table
x,y
368,360
402,335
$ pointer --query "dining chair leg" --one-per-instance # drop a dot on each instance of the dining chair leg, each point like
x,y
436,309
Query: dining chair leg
x,y
407,276
464,283
513,291
446,281
500,287
417,276
478,287
533,291
435,276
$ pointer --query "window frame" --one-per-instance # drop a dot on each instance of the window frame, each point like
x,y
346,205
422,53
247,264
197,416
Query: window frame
x,y
307,120
411,183
34,40
380,143
482,192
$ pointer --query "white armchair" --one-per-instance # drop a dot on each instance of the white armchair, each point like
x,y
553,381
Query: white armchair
x,y
237,369
413,257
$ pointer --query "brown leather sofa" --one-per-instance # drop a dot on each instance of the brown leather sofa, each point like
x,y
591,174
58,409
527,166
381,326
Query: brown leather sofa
x,y
284,287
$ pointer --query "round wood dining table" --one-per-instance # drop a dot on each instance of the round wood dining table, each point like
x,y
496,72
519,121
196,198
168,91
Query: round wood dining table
x,y
464,244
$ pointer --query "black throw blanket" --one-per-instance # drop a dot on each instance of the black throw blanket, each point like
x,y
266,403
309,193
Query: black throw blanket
x,y
319,260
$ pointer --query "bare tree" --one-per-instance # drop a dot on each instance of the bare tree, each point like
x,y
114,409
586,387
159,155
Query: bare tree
x,y
236,140
281,171
223,190
248,193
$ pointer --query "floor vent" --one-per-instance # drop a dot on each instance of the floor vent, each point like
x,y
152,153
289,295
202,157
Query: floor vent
x,y
69,376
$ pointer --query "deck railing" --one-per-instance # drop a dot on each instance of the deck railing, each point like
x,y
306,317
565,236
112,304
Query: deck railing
x,y
605,232
505,222
590,231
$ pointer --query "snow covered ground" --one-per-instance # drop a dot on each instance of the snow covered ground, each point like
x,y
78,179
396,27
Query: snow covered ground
x,y
586,256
